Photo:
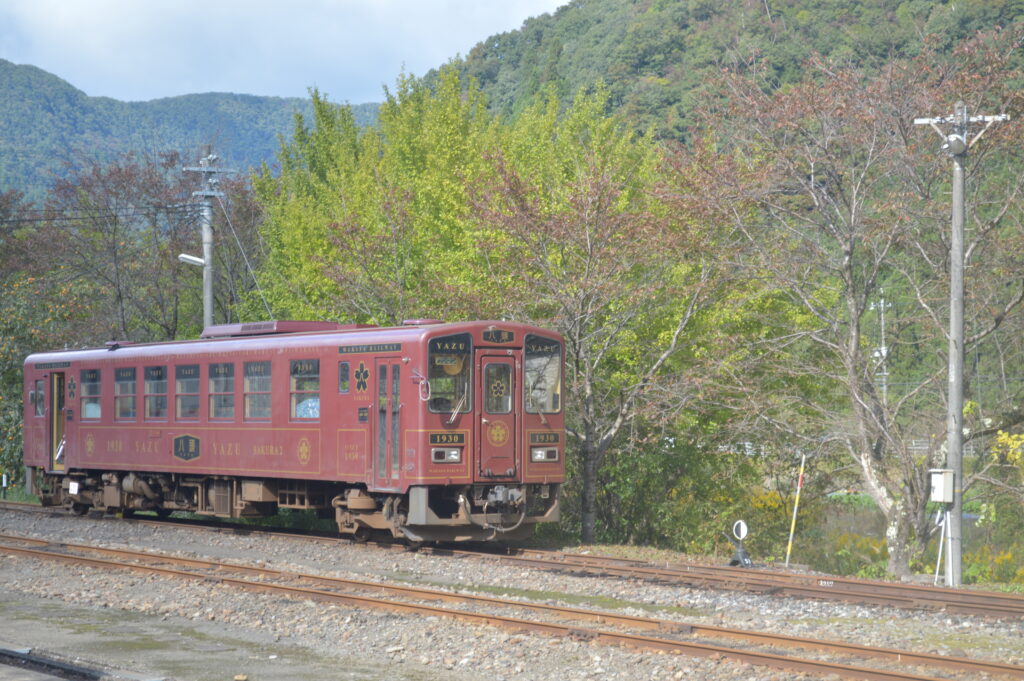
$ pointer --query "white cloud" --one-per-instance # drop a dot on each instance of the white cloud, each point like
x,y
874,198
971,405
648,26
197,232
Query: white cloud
x,y
144,49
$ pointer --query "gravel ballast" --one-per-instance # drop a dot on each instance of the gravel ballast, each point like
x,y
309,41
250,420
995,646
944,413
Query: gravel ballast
x,y
365,644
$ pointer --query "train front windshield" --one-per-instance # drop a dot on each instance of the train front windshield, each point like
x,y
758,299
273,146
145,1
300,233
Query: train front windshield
x,y
543,375
449,372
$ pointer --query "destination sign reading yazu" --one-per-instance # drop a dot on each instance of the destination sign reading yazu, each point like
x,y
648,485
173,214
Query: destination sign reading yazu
x,y
499,336
359,349
447,438
544,438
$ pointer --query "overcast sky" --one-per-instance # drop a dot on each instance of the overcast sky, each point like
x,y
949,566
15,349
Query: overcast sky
x,y
137,50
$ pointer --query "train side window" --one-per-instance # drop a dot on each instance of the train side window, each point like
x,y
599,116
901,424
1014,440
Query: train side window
x,y
186,392
124,393
155,392
91,389
40,397
256,385
222,390
305,388
343,378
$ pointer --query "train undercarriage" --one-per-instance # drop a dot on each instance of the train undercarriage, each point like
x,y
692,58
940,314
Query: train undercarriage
x,y
436,513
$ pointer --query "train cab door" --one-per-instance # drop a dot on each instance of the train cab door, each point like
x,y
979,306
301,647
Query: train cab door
x,y
497,427
388,427
56,404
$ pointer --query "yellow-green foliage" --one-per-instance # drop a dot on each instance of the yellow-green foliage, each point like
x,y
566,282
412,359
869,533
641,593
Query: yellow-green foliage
x,y
987,564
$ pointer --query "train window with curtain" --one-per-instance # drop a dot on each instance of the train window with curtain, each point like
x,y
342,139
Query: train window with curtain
x,y
343,377
305,388
155,392
222,390
542,373
256,386
186,392
124,394
91,390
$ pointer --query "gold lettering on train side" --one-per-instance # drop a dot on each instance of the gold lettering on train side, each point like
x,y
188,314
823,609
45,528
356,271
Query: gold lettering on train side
x,y
115,446
90,444
145,446
352,452
304,451
227,448
267,450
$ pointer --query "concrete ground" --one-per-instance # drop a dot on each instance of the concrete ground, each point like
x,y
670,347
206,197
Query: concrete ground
x,y
143,647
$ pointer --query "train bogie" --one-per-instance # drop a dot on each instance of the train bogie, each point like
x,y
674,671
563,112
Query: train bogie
x,y
429,431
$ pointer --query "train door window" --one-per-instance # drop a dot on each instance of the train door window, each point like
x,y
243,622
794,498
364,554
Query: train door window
x,y
498,388
155,392
343,378
396,404
382,420
222,390
124,393
305,388
186,392
542,371
91,390
40,398
448,372
256,385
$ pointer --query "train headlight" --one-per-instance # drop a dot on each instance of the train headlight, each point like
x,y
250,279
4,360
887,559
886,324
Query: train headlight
x,y
543,454
446,454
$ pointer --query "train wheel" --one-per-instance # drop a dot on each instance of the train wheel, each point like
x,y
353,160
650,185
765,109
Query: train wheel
x,y
362,534
79,509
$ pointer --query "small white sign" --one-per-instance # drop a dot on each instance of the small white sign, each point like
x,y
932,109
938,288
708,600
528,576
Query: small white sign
x,y
739,530
73,488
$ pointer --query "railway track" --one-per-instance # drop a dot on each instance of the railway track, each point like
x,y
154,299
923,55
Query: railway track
x,y
822,587
626,630
759,581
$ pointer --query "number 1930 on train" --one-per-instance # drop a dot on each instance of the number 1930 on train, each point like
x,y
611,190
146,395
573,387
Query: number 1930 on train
x,y
426,431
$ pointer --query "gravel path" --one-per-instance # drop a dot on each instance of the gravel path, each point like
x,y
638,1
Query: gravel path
x,y
441,648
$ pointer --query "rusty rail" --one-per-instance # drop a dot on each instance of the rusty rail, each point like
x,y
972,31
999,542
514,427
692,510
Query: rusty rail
x,y
55,551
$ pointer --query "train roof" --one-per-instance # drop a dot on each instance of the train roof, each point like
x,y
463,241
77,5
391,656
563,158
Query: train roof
x,y
256,335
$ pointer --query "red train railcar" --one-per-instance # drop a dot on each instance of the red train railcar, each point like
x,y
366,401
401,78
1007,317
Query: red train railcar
x,y
429,431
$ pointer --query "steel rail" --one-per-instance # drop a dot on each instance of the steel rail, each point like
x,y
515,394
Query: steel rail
x,y
821,587
828,587
748,637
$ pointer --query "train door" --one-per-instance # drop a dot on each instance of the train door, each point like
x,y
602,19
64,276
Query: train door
x,y
56,403
496,430
387,440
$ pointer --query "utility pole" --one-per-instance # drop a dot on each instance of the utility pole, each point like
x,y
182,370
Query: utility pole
x,y
209,176
883,352
956,144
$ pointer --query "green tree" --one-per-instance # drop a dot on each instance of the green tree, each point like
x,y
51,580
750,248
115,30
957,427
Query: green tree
x,y
577,239
847,202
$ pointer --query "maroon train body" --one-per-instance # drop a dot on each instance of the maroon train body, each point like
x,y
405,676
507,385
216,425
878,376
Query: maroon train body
x,y
429,431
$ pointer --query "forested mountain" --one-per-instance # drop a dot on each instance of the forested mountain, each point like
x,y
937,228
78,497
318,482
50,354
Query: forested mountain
x,y
655,55
46,123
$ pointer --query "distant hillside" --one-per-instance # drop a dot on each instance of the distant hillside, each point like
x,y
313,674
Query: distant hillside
x,y
655,54
45,123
